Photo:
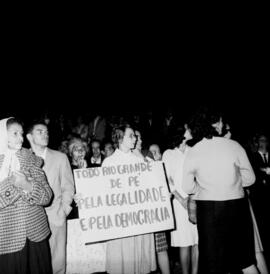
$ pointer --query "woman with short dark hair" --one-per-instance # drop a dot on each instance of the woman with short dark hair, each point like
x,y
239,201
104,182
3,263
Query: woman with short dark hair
x,y
185,234
215,170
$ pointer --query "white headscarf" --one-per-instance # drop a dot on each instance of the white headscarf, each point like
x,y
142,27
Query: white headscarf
x,y
3,136
11,161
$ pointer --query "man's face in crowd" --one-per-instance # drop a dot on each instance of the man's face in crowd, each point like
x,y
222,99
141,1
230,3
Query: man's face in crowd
x,y
40,135
96,149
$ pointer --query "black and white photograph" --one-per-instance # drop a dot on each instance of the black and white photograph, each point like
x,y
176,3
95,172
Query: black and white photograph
x,y
142,154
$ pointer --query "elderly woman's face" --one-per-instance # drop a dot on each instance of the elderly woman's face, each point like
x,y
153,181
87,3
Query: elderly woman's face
x,y
78,152
155,150
15,136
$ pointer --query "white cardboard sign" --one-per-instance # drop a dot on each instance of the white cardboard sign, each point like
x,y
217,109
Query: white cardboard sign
x,y
122,200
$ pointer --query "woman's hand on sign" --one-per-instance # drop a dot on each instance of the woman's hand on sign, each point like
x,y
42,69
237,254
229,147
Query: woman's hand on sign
x,y
77,198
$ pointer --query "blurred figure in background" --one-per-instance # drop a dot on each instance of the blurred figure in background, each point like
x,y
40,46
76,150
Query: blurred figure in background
x,y
108,149
97,128
155,150
160,237
77,150
260,191
96,157
261,264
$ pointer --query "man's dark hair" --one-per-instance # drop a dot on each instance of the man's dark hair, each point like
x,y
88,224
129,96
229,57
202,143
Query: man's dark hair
x,y
31,126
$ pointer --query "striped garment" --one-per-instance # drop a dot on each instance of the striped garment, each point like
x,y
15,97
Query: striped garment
x,y
161,241
22,215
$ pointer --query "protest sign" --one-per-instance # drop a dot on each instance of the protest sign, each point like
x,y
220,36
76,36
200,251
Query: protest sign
x,y
82,258
123,200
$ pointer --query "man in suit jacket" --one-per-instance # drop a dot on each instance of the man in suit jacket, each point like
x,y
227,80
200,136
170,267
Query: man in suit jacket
x,y
58,171
260,191
96,158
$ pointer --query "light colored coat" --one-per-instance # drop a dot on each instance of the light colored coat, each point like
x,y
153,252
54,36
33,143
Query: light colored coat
x,y
60,178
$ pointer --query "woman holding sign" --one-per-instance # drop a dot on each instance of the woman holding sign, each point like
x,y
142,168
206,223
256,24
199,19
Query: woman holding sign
x,y
135,254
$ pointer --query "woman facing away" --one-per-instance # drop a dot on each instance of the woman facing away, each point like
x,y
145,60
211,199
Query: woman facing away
x,y
185,236
24,191
135,254
216,170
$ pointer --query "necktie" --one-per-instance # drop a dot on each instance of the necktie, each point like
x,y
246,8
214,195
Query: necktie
x,y
264,158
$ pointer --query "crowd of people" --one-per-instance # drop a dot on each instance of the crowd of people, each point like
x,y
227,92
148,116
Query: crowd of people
x,y
226,181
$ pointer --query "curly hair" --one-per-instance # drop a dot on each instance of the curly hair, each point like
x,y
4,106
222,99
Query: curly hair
x,y
75,141
202,121
176,137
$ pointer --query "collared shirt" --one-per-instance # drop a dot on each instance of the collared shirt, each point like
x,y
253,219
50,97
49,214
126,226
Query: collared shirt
x,y
96,160
266,156
42,155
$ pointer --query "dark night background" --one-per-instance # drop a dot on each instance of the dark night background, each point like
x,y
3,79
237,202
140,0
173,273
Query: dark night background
x,y
133,63
136,67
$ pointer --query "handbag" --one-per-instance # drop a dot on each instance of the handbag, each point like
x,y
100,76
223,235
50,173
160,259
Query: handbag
x,y
192,210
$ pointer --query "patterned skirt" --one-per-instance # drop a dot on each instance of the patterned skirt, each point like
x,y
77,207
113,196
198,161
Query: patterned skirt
x,y
161,241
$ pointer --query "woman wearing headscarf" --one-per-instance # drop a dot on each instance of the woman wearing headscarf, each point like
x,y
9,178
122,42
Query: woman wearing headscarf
x,y
24,191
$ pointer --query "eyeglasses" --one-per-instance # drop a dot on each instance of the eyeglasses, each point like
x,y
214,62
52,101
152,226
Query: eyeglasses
x,y
78,149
